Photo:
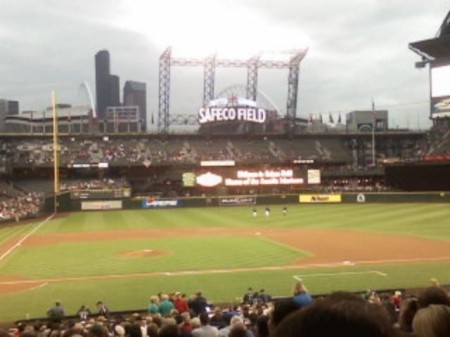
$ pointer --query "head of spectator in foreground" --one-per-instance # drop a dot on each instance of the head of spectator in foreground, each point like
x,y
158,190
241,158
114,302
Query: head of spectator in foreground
x,y
281,309
433,295
408,309
204,318
171,330
340,314
135,330
262,326
238,330
432,321
97,330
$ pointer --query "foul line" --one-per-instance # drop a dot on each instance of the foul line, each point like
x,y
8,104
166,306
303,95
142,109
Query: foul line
x,y
9,251
234,270
300,277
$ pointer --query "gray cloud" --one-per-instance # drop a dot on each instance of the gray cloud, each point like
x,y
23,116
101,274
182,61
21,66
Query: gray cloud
x,y
358,52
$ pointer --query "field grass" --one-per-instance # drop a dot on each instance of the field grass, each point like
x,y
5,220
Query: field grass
x,y
134,280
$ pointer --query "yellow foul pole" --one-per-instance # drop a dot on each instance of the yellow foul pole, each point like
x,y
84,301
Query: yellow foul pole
x,y
55,152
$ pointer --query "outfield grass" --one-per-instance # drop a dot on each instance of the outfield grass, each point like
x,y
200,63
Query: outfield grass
x,y
152,275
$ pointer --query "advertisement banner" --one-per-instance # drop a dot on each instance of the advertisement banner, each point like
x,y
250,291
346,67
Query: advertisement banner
x,y
101,205
160,203
236,201
313,177
320,198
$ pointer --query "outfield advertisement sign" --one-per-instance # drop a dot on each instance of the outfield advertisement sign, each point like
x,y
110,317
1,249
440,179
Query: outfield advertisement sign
x,y
320,198
160,203
314,177
101,205
236,201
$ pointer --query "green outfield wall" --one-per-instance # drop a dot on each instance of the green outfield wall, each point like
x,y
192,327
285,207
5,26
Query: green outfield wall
x,y
66,204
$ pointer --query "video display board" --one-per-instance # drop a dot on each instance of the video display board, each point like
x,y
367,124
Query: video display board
x,y
250,177
440,89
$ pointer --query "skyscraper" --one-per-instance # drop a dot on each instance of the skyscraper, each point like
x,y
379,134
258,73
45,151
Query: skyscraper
x,y
114,90
135,94
107,86
102,71
7,108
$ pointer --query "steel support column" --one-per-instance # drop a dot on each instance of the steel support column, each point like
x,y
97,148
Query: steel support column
x,y
209,79
252,78
294,71
164,91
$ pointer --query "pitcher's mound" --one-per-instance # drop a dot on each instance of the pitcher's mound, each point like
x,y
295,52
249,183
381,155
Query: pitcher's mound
x,y
144,253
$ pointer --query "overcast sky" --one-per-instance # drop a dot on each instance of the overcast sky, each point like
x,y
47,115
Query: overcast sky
x,y
357,50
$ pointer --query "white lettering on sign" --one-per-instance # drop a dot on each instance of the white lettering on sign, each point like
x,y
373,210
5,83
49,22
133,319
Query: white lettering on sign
x,y
265,174
209,115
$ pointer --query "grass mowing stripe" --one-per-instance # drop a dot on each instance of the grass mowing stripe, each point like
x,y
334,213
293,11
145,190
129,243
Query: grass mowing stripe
x,y
8,233
121,294
422,220
106,257
26,236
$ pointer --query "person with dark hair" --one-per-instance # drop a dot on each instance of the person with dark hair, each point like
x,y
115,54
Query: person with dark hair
x,y
408,309
433,295
198,304
262,326
281,309
217,319
102,309
56,313
169,330
263,298
83,313
248,296
205,329
135,330
152,329
181,303
340,314
238,330
98,330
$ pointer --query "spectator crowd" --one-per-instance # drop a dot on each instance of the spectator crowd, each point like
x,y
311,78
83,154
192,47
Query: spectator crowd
x,y
386,314
16,205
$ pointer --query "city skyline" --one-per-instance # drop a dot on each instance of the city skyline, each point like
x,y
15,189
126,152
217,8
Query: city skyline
x,y
357,51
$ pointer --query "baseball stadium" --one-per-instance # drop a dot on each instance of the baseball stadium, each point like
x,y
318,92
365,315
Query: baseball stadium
x,y
95,211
